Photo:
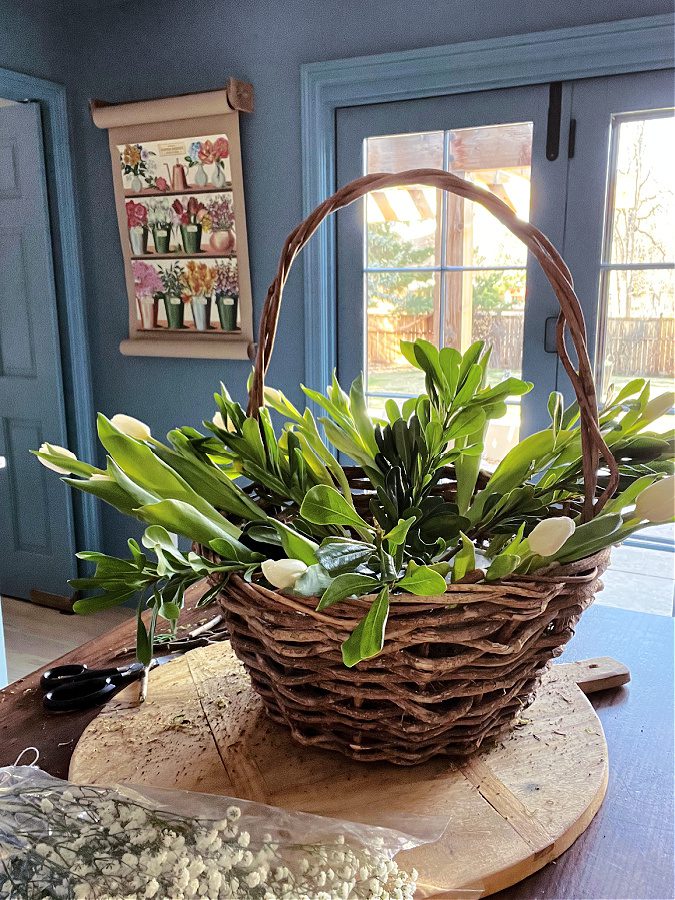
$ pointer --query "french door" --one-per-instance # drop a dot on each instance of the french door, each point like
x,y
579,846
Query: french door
x,y
415,263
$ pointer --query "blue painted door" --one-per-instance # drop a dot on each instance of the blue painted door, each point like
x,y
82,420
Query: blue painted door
x,y
412,263
36,524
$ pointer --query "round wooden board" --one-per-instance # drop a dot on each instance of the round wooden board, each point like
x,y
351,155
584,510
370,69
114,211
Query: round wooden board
x,y
510,810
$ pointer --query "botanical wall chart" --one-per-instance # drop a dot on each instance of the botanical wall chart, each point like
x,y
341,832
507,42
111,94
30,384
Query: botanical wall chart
x,y
180,205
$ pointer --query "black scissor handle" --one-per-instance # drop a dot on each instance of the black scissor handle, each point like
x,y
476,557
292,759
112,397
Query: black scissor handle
x,y
62,675
81,694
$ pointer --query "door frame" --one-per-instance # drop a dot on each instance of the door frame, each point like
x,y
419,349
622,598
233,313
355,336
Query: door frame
x,y
612,48
68,270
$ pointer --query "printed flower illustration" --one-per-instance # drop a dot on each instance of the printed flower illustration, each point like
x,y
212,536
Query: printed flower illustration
x,y
221,213
132,155
227,280
147,279
161,184
199,278
221,149
137,214
206,154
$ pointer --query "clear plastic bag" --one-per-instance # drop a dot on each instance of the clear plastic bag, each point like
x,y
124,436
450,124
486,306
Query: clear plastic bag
x,y
58,839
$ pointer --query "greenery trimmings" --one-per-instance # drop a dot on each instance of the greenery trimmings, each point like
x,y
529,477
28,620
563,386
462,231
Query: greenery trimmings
x,y
275,504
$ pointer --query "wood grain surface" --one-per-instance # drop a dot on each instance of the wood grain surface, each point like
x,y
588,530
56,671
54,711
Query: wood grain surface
x,y
626,852
509,810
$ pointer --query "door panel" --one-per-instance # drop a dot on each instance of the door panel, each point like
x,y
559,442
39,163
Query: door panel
x,y
413,264
36,529
620,224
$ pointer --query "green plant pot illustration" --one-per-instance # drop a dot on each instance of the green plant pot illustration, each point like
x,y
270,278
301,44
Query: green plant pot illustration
x,y
191,236
201,312
161,236
138,236
175,310
227,311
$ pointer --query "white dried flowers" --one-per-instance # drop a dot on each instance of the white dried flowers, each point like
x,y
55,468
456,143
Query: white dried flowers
x,y
87,842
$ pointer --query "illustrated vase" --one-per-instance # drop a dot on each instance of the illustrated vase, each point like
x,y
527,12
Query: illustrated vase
x,y
201,312
222,241
175,312
136,184
161,238
191,236
138,236
148,313
219,181
227,311
200,176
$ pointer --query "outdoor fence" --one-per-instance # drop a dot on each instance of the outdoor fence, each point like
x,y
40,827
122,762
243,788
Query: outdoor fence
x,y
633,347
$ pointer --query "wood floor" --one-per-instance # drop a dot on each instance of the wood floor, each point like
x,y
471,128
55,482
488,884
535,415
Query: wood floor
x,y
35,635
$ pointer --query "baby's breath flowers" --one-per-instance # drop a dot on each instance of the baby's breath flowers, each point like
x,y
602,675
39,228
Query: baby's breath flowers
x,y
59,840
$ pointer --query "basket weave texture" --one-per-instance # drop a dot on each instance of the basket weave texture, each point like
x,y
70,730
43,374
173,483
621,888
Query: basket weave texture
x,y
455,669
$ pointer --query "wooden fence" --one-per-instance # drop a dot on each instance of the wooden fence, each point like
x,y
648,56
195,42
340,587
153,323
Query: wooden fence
x,y
633,347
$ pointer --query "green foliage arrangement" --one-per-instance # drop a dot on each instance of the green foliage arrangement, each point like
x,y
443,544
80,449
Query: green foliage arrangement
x,y
275,505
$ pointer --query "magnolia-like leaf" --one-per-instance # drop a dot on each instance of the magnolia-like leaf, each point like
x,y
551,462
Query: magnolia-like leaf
x,y
313,582
347,585
184,519
341,554
324,505
501,566
367,639
465,560
423,581
296,546
399,532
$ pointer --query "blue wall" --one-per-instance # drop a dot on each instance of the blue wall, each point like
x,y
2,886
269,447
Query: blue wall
x,y
132,51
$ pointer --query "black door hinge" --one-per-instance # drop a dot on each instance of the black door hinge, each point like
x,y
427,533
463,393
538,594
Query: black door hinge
x,y
553,123
572,139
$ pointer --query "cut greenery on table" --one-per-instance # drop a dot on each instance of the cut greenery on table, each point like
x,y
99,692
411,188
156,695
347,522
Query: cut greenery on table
x,y
274,504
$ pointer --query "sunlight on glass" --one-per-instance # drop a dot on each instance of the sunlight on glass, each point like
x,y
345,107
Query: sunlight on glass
x,y
637,334
454,274
643,218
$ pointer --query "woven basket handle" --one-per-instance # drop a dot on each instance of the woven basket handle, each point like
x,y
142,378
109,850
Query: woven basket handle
x,y
571,317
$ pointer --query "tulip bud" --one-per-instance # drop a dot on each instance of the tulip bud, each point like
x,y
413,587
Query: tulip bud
x,y
133,428
283,573
219,422
549,535
659,406
657,502
55,450
272,395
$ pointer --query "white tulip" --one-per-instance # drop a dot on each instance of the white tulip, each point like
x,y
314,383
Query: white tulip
x,y
55,450
657,502
283,573
133,428
549,535
659,406
219,422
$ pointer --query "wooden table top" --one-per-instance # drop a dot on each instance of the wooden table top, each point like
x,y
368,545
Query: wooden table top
x,y
627,852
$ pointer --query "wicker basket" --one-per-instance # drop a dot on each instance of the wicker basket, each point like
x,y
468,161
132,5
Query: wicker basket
x,y
456,669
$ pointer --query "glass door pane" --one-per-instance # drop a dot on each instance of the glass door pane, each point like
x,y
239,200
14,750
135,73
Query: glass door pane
x,y
636,333
433,265
620,234
444,269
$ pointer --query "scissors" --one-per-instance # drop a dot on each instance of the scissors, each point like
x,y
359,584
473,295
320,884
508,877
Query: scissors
x,y
68,688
